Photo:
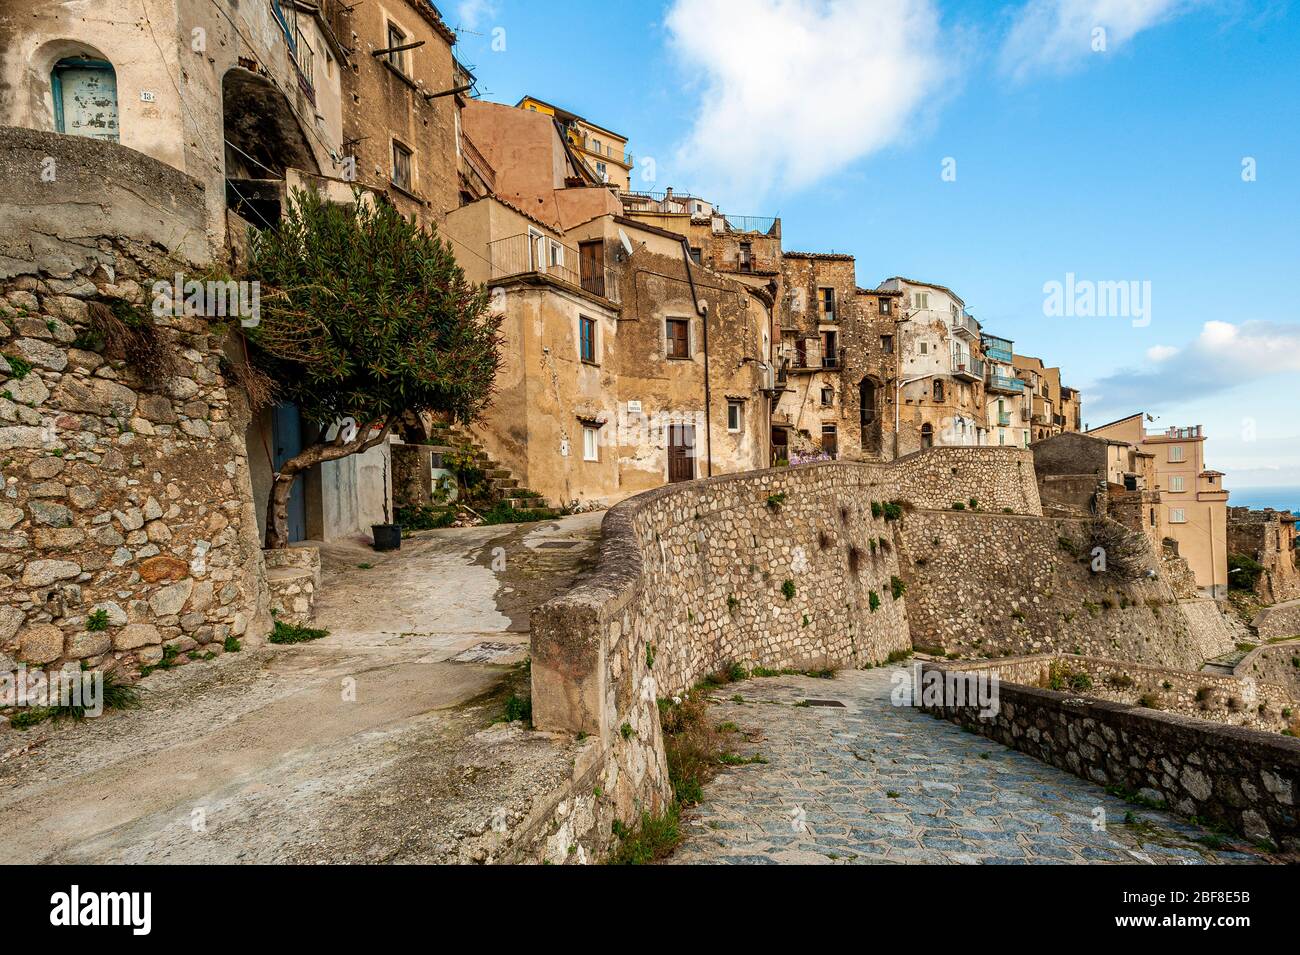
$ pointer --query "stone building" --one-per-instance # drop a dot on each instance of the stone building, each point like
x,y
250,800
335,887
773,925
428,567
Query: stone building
x,y
1009,407
939,399
1193,502
627,364
403,94
1043,386
1269,537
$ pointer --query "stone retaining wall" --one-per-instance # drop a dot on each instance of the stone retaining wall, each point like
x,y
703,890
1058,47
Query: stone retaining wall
x,y
1278,663
1243,778
123,493
790,567
1279,620
1231,700
990,584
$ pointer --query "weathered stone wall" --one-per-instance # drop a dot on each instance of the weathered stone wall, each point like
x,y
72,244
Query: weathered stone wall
x,y
1267,536
989,584
1238,700
122,493
1244,778
1278,621
1278,663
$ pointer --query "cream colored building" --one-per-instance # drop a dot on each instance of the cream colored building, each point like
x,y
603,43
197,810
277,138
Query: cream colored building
x,y
1193,502
603,150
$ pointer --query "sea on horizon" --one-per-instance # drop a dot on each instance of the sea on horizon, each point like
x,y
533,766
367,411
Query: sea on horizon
x,y
1258,498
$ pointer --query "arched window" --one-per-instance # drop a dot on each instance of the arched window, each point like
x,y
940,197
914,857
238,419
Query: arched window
x,y
85,97
938,389
927,436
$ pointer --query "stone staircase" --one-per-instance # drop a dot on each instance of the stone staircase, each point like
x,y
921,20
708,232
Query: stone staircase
x,y
503,486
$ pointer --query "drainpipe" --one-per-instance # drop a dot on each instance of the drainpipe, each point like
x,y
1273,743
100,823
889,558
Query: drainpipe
x,y
703,312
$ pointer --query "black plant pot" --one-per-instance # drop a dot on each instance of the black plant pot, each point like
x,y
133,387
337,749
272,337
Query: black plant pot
x,y
387,536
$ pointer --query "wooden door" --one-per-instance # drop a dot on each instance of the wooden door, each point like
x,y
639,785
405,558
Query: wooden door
x,y
592,266
681,452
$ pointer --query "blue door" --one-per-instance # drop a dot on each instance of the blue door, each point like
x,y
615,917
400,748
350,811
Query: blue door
x,y
286,435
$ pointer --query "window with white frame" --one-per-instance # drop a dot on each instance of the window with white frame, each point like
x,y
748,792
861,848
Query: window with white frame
x,y
590,446
1177,515
734,415
920,299
1176,483
1175,452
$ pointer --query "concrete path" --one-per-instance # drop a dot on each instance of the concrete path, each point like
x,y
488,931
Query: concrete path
x,y
868,782
376,743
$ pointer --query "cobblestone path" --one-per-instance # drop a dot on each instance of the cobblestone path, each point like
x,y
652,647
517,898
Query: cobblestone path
x,y
869,782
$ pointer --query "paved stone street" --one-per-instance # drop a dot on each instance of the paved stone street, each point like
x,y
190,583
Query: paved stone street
x,y
261,757
873,783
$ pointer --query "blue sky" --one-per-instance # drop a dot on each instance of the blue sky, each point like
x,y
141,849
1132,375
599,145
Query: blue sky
x,y
1115,164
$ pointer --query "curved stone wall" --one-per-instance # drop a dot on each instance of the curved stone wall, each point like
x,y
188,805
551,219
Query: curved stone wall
x,y
127,532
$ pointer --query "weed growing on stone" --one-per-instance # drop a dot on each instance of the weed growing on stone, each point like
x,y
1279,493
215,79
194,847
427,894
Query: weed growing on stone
x,y
788,590
231,644
294,633
519,709
97,620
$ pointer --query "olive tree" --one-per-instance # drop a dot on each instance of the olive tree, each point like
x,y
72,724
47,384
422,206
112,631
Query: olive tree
x,y
364,316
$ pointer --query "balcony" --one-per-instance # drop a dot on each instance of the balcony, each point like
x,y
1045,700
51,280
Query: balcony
x,y
997,349
532,253
964,324
1012,386
967,367
1004,419
812,358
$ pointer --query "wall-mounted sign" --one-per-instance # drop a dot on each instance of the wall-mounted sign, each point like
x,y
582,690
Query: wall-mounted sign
x,y
634,407
148,96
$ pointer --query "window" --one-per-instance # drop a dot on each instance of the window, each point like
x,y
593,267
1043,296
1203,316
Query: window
x,y
679,344
920,299
746,257
602,171
1175,452
734,415
887,344
826,298
587,338
305,57
1176,483
830,351
555,255
396,58
925,348
590,446
696,255
886,306
1177,515
401,166
927,436
828,397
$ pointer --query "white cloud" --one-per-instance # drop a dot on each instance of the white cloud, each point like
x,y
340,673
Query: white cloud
x,y
1058,35
792,91
1223,356
471,14
1159,353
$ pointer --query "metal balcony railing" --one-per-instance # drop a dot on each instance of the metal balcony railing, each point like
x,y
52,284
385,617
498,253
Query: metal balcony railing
x,y
965,322
529,252
967,366
1004,383
997,353
760,224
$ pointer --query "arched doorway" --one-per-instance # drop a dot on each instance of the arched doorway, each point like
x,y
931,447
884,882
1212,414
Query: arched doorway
x,y
85,97
927,436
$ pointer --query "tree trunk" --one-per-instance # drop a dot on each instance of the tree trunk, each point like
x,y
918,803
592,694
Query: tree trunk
x,y
277,505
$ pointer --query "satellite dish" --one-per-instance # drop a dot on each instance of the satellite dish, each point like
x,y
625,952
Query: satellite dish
x,y
627,243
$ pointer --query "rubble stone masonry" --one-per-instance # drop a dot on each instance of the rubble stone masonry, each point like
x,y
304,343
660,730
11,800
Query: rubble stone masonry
x,y
121,494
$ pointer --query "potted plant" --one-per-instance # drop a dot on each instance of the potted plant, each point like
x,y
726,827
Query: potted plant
x,y
387,536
